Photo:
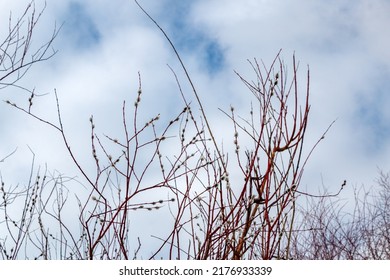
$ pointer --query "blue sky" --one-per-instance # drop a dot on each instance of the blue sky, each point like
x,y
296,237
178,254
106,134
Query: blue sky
x,y
79,26
101,48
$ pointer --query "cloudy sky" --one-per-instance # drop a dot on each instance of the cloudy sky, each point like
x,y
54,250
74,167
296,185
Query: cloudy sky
x,y
102,45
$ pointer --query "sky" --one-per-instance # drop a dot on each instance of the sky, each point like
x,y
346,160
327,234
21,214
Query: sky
x,y
102,47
